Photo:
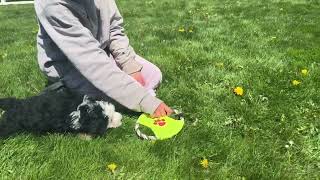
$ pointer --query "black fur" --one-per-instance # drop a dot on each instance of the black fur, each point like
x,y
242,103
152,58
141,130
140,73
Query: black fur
x,y
50,113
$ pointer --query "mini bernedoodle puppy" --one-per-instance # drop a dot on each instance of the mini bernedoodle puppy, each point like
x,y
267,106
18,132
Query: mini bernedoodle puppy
x,y
57,112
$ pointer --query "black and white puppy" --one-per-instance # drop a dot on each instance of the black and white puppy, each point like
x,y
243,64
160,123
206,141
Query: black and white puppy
x,y
57,112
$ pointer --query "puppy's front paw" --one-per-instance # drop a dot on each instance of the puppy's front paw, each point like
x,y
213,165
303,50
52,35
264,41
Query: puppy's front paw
x,y
115,120
85,137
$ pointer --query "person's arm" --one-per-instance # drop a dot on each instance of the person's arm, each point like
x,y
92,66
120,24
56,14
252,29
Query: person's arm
x,y
119,43
63,25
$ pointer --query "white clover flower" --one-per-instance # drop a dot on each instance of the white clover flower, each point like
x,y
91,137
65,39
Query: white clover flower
x,y
291,143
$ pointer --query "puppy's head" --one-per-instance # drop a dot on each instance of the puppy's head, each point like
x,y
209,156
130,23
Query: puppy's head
x,y
89,118
92,119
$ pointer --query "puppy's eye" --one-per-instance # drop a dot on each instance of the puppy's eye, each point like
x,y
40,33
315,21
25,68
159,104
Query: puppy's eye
x,y
89,110
84,108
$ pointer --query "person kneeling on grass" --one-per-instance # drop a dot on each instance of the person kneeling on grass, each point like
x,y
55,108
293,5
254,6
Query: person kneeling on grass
x,y
83,43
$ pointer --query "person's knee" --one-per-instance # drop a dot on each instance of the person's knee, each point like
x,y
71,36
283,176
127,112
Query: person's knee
x,y
158,74
151,72
156,79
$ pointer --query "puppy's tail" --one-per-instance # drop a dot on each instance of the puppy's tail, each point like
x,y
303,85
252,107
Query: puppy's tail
x,y
7,127
7,130
7,103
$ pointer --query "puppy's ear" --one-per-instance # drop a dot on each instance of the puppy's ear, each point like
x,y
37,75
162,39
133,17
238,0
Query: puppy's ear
x,y
83,110
86,99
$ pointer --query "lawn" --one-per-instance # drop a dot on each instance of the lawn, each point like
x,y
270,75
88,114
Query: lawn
x,y
205,49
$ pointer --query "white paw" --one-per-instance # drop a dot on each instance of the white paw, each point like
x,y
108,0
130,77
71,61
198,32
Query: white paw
x,y
115,120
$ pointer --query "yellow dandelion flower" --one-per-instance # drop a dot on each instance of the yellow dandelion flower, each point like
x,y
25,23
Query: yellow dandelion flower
x,y
112,167
221,65
204,163
296,82
190,30
4,55
304,72
181,29
238,91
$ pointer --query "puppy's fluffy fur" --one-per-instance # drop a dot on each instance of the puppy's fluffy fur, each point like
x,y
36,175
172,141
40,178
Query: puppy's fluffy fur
x,y
57,112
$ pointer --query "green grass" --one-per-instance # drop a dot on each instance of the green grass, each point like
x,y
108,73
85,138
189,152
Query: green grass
x,y
259,45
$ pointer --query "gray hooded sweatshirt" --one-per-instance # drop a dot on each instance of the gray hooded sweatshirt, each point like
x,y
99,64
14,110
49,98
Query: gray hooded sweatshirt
x,y
89,35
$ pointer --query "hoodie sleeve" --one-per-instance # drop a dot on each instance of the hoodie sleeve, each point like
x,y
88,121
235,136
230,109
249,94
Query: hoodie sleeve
x,y
119,44
64,27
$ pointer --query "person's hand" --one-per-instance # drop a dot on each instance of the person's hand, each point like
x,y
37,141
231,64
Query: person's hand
x,y
138,77
162,110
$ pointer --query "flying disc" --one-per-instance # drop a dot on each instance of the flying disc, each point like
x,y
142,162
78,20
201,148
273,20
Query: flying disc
x,y
163,128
